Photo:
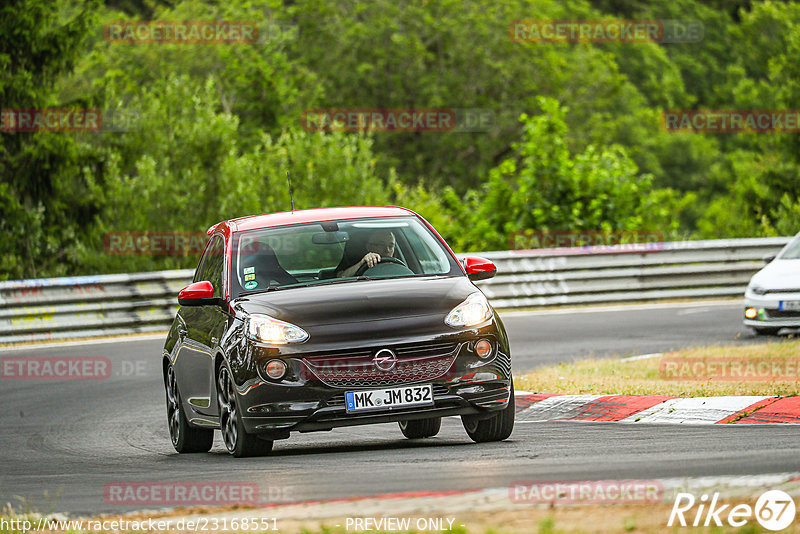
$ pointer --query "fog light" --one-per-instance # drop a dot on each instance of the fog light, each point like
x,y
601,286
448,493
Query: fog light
x,y
750,313
483,348
275,369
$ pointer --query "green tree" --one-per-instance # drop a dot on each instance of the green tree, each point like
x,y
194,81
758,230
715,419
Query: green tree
x,y
545,187
182,166
44,200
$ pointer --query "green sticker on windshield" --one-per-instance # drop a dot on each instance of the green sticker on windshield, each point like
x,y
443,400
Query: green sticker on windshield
x,y
251,284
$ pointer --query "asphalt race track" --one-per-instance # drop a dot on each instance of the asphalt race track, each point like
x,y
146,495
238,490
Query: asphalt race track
x,y
546,337
63,441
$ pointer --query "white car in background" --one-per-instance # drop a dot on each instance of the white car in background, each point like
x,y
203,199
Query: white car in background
x,y
772,298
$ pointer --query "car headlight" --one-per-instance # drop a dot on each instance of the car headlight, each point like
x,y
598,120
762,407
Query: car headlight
x,y
757,289
473,311
270,330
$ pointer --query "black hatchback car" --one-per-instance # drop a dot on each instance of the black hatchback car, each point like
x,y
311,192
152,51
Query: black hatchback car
x,y
315,319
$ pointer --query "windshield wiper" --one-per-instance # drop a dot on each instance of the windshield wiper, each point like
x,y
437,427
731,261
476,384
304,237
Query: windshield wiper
x,y
305,284
265,290
337,281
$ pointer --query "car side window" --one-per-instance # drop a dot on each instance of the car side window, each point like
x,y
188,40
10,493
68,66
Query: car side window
x,y
211,266
432,258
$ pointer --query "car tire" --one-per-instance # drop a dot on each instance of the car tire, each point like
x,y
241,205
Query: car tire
x,y
495,428
237,440
766,331
185,438
421,428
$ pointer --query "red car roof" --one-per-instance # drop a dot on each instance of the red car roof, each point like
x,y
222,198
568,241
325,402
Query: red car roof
x,y
285,218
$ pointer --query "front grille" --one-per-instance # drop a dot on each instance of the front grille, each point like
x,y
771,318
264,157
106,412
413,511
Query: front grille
x,y
783,314
417,362
785,290
338,399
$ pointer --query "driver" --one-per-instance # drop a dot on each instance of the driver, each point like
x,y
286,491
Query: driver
x,y
380,243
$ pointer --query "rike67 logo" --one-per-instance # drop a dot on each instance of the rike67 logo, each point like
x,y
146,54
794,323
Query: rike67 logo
x,y
774,510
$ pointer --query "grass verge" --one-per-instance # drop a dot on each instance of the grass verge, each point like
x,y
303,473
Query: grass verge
x,y
656,376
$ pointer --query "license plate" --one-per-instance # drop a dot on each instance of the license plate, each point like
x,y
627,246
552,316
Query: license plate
x,y
789,305
388,399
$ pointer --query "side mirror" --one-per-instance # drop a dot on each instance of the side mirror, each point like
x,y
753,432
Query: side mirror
x,y
769,257
197,294
479,268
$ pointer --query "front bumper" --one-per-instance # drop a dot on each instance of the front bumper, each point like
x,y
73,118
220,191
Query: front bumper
x,y
325,415
311,401
768,310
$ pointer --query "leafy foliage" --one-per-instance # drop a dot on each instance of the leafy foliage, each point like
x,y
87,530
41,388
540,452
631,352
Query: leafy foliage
x,y
545,187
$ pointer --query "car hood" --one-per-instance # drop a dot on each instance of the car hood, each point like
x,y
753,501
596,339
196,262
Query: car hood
x,y
360,301
779,274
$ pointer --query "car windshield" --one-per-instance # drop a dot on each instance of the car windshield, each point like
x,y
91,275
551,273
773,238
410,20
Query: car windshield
x,y
334,251
792,252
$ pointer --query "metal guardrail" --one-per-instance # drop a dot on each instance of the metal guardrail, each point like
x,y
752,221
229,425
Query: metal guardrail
x,y
85,306
587,275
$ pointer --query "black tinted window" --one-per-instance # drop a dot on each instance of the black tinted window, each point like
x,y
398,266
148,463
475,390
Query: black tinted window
x,y
211,266
309,253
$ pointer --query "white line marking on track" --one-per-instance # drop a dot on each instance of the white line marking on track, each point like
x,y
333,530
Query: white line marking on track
x,y
642,357
693,311
92,341
621,307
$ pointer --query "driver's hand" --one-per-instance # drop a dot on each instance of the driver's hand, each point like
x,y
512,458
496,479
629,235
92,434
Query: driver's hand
x,y
371,259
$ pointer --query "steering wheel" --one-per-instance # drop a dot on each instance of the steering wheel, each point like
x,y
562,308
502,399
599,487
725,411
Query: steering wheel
x,y
384,259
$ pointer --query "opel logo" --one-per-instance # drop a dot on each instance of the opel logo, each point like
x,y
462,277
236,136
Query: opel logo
x,y
385,360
